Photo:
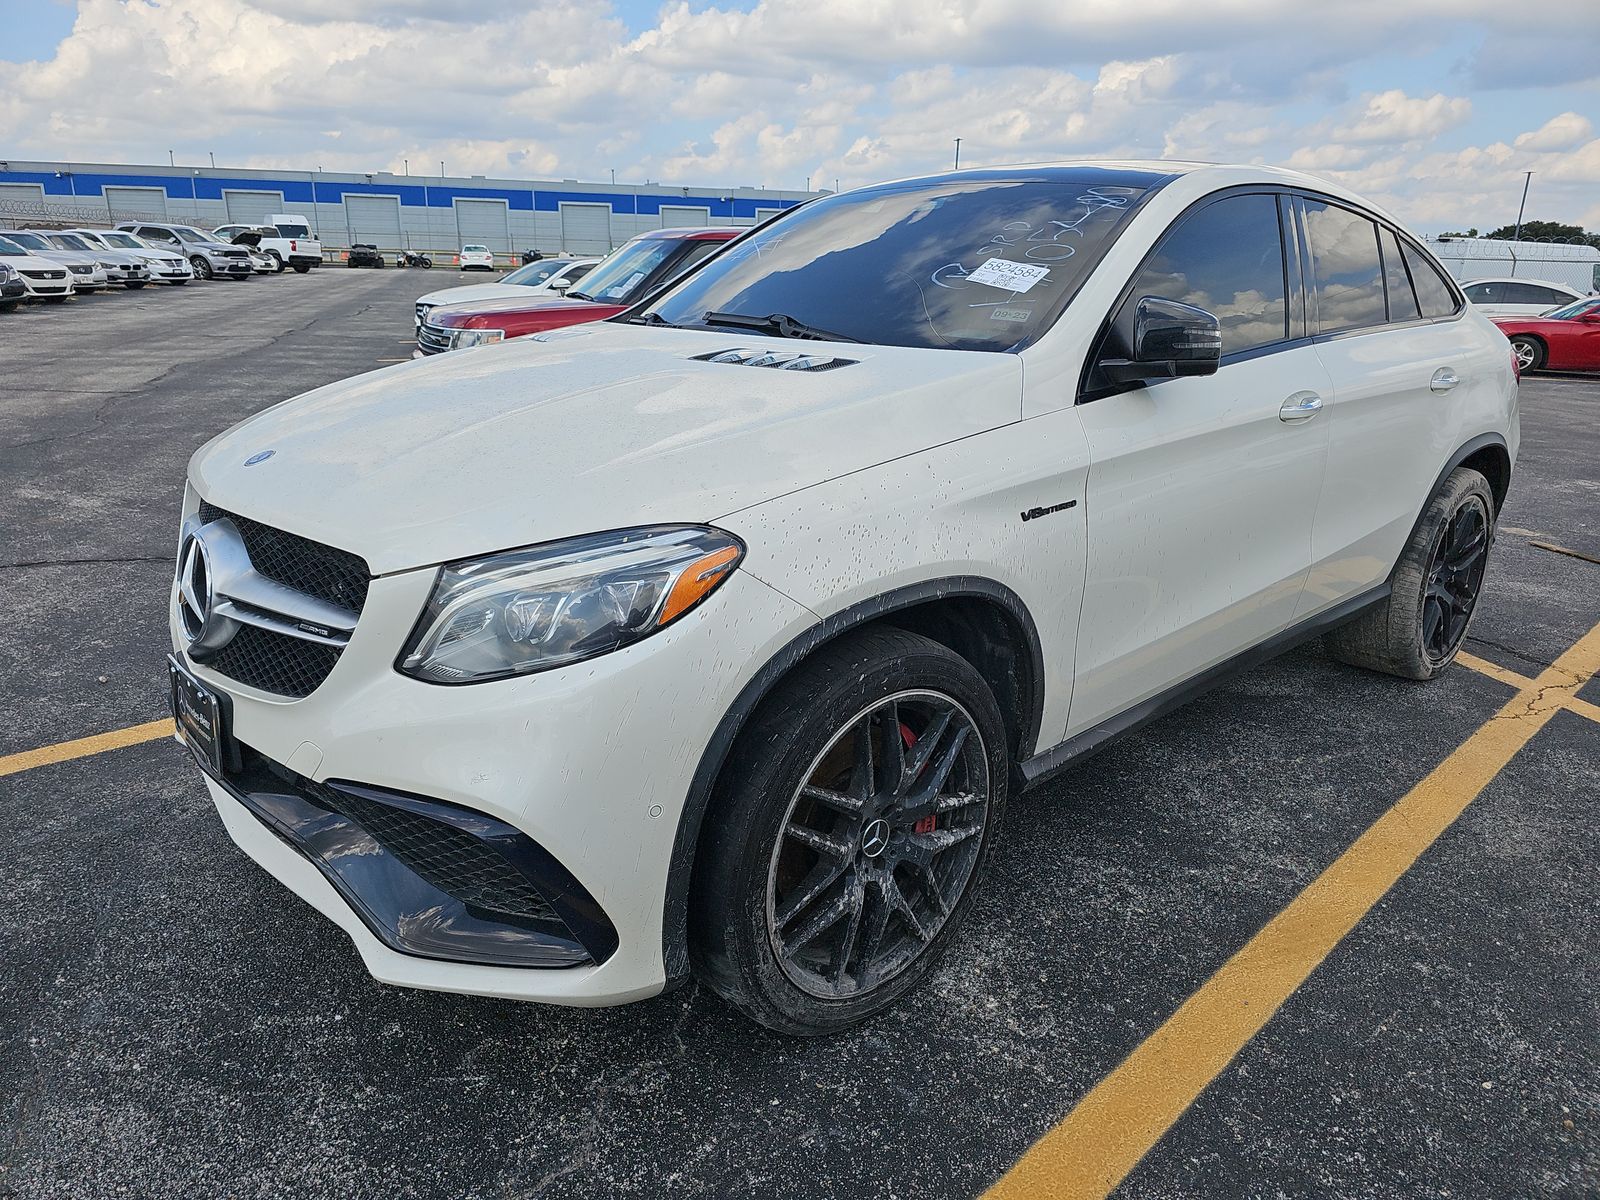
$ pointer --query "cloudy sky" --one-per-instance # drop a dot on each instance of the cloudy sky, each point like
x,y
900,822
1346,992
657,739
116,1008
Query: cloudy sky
x,y
1432,107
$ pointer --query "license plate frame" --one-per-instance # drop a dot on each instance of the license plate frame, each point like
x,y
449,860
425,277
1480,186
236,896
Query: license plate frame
x,y
202,717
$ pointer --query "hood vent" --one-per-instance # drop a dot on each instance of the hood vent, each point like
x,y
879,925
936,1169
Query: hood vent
x,y
776,359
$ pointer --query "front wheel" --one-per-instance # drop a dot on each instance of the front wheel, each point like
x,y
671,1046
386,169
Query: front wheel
x,y
1419,629
202,269
1529,352
277,262
848,832
301,268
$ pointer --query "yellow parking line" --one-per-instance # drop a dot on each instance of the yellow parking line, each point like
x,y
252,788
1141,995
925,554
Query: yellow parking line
x,y
83,747
1584,709
1493,670
1113,1127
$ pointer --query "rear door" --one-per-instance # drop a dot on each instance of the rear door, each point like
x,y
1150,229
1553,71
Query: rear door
x,y
1202,490
1391,334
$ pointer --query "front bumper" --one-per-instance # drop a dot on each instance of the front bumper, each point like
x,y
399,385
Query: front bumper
x,y
126,275
593,763
13,289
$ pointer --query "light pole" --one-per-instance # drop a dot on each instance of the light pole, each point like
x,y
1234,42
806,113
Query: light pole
x,y
1527,179
407,162
213,155
958,154
613,177
170,159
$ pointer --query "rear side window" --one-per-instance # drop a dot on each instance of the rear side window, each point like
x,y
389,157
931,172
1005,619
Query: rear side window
x,y
1226,258
1433,293
1403,304
1345,267
1532,293
1481,293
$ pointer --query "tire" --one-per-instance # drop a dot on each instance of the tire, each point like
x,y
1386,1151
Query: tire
x,y
754,870
202,269
1529,352
301,268
278,259
1420,628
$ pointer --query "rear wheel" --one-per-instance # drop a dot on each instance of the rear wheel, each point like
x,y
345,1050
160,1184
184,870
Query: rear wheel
x,y
1529,352
848,833
301,268
1419,629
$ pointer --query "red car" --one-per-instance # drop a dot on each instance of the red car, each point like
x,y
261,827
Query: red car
x,y
628,274
1564,339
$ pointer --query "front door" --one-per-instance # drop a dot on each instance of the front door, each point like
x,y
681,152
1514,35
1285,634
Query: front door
x,y
1202,491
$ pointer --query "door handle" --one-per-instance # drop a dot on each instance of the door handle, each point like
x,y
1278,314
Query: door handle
x,y
1443,380
1301,406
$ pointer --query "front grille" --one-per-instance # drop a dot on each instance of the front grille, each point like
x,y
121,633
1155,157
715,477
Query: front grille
x,y
422,312
81,270
433,340
276,662
455,862
45,274
336,576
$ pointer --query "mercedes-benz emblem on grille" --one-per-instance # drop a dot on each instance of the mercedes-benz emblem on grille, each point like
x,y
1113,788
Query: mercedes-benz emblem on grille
x,y
194,585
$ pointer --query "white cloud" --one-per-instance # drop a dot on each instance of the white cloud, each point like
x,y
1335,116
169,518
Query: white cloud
x,y
1563,132
853,90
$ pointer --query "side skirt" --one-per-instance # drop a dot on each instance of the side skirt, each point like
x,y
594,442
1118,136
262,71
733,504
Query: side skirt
x,y
1047,763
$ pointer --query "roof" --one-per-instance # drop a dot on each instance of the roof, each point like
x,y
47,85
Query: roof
x,y
694,233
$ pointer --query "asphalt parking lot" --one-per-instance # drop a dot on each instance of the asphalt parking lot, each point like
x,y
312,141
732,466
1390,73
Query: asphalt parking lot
x,y
174,1022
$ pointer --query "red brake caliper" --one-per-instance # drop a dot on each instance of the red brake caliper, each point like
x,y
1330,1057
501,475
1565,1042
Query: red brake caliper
x,y
927,823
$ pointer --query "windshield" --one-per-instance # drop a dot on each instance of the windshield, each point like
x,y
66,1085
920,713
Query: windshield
x,y
70,241
190,235
624,270
960,263
122,241
11,250
1571,312
533,273
31,241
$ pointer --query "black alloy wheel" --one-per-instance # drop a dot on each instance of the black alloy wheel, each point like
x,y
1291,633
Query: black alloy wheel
x,y
1455,578
878,844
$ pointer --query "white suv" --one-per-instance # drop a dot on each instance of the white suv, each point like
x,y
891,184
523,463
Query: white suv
x,y
715,637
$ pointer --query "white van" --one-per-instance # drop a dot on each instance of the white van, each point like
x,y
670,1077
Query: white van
x,y
1561,263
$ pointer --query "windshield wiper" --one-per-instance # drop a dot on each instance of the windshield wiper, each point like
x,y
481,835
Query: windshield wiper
x,y
778,324
571,295
651,318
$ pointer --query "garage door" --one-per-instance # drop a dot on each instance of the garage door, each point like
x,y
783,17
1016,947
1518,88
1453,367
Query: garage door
x,y
674,216
132,203
252,208
763,214
484,223
586,228
22,199
374,220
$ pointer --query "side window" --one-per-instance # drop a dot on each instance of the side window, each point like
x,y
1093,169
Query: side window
x,y
697,253
1402,300
1226,258
1345,268
1532,293
1433,293
578,272
1480,293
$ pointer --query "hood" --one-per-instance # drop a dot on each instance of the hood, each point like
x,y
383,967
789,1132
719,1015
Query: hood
x,y
480,291
30,262
459,315
247,238
590,428
69,258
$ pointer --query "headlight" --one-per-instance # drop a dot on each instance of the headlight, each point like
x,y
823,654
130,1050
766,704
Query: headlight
x,y
462,338
547,606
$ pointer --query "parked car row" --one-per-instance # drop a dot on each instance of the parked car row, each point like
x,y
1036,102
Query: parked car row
x,y
52,265
458,318
1552,327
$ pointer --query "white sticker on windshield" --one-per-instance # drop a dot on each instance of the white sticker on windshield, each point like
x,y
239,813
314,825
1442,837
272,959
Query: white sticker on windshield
x,y
1013,276
622,289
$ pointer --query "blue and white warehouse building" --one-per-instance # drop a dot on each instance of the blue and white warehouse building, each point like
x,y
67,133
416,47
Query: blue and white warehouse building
x,y
394,212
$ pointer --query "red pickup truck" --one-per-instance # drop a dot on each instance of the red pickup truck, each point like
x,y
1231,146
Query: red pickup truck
x,y
629,273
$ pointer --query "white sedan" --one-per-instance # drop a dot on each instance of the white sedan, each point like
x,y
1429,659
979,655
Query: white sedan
x,y
476,258
548,275
1508,297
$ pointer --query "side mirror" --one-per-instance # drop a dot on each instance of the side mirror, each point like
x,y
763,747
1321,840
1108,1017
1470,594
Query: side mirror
x,y
1590,318
1170,339
560,289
